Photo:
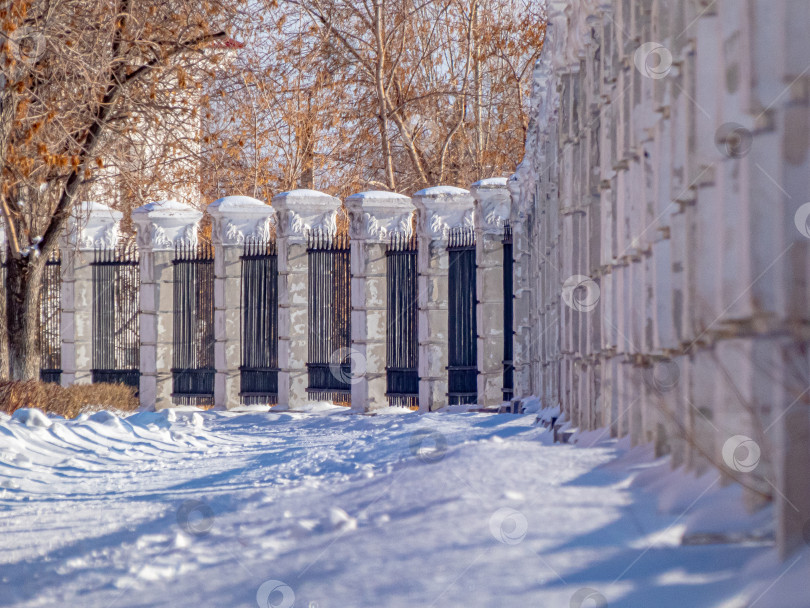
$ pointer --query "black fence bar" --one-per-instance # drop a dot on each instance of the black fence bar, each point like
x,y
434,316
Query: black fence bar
x,y
116,328
329,294
258,370
402,346
193,357
462,353
508,323
50,321
4,354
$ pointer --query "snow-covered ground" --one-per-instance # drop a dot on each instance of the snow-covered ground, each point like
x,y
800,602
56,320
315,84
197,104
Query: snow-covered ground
x,y
332,509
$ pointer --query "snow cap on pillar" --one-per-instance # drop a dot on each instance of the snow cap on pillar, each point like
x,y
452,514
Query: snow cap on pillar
x,y
302,211
236,219
376,215
93,225
164,224
493,204
442,208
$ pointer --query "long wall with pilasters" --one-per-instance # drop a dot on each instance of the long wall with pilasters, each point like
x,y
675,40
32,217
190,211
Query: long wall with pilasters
x,y
661,236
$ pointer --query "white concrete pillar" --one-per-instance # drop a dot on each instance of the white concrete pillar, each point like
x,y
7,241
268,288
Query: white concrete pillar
x,y
299,213
161,227
374,218
521,305
92,226
493,205
439,209
235,219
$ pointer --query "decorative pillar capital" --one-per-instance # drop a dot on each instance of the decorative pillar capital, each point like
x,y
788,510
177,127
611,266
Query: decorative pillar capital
x,y
375,215
442,208
493,204
93,225
303,211
236,219
164,224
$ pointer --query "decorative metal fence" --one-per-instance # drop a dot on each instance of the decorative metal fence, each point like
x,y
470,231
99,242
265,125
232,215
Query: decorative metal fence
x,y
259,362
116,330
508,325
50,321
462,356
193,358
402,346
329,344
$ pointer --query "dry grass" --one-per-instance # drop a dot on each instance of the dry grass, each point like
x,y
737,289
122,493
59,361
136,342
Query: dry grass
x,y
66,401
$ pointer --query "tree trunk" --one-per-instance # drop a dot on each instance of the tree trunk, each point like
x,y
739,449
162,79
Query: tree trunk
x,y
382,97
23,286
476,56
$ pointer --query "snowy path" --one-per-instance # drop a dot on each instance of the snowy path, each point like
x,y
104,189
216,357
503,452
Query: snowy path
x,y
343,509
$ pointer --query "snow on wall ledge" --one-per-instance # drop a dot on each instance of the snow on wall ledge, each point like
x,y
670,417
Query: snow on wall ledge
x,y
660,236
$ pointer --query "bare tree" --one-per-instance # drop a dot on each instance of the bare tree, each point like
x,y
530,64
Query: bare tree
x,y
391,94
85,82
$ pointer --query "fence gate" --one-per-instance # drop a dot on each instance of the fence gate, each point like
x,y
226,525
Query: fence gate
x,y
259,363
402,347
50,322
508,325
116,330
193,357
462,356
329,344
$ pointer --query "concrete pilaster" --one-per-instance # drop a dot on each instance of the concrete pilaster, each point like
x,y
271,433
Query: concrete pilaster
x,y
92,226
374,217
299,212
438,210
161,227
492,210
235,220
